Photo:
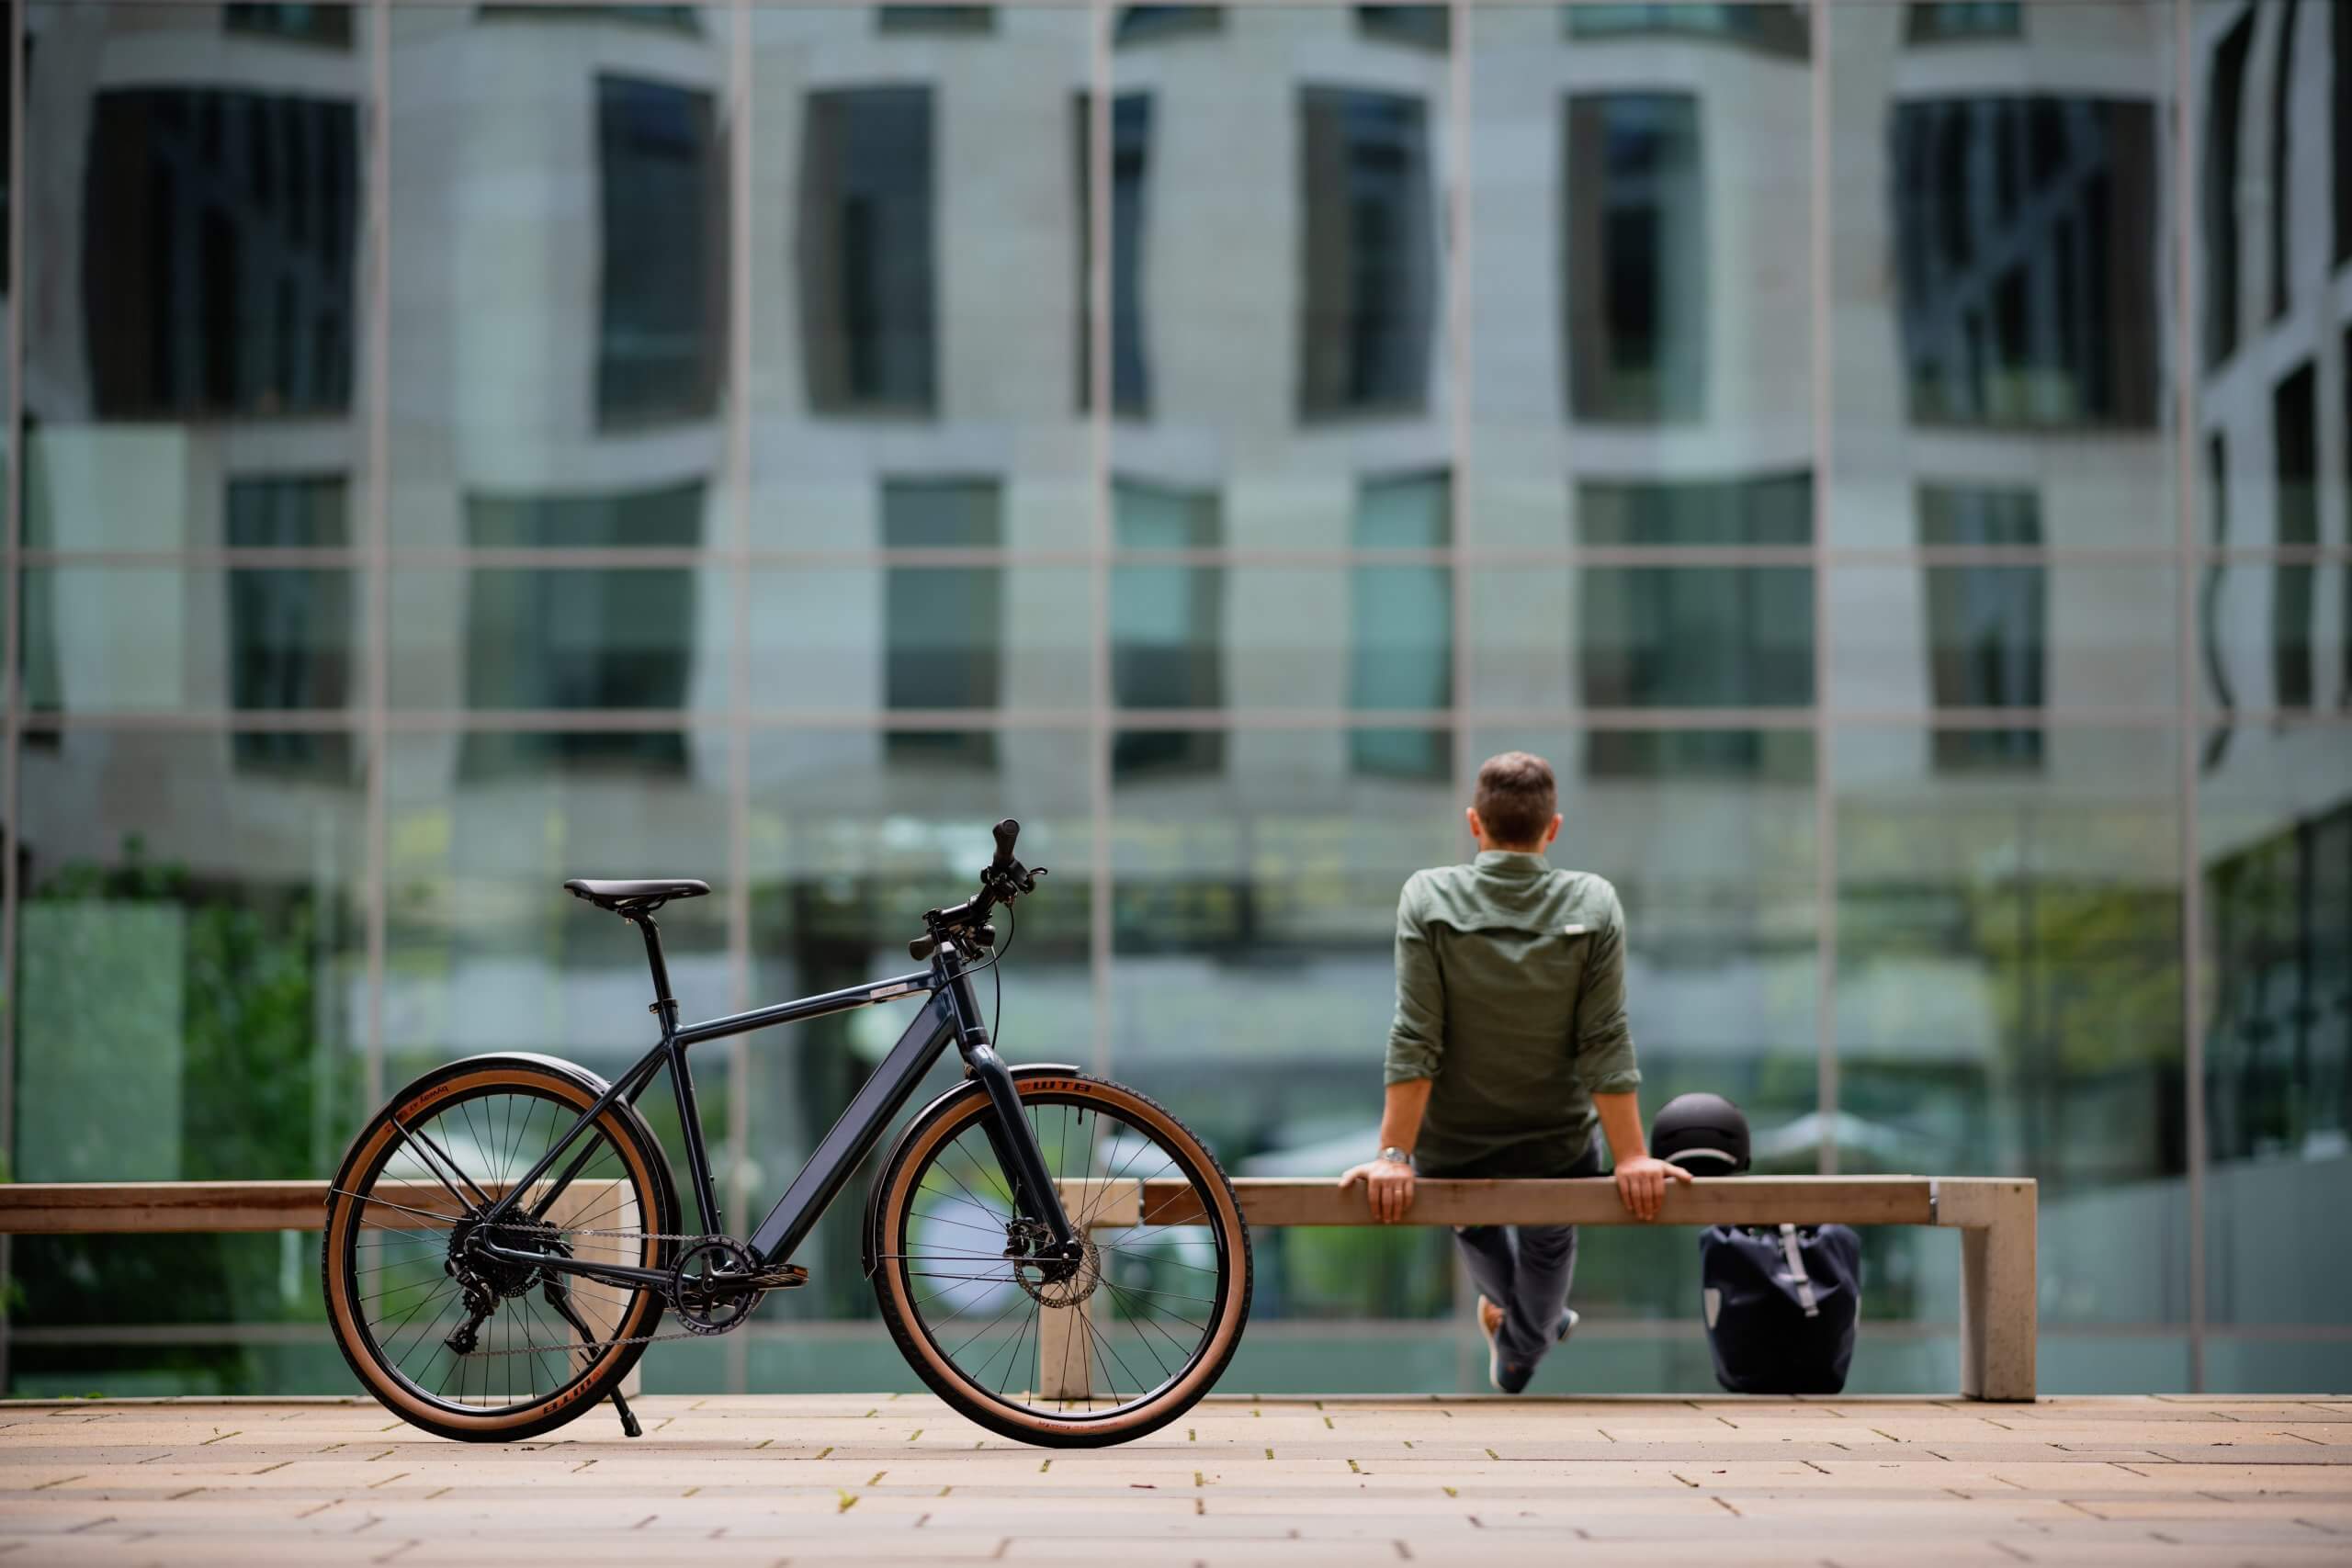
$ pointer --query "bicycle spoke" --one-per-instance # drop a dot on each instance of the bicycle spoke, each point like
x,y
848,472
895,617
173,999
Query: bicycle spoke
x,y
1117,1314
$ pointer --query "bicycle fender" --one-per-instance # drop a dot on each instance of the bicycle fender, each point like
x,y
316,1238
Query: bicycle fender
x,y
596,1084
871,1230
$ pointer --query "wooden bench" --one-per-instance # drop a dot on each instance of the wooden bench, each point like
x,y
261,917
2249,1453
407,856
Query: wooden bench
x,y
1996,1217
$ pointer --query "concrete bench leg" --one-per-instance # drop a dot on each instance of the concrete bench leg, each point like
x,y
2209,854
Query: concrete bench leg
x,y
1067,1337
1998,1308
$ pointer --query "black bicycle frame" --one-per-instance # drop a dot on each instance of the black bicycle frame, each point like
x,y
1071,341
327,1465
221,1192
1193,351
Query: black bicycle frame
x,y
950,1017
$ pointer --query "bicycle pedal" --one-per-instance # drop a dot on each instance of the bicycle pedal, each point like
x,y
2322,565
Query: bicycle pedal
x,y
780,1277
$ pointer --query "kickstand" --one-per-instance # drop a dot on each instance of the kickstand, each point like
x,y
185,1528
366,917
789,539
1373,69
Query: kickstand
x,y
559,1298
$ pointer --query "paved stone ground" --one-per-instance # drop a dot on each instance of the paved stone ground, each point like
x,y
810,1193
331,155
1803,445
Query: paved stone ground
x,y
819,1479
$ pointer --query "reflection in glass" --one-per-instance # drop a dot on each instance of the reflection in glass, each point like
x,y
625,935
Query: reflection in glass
x,y
2225,100
1986,624
1167,625
945,623
1695,637
1777,29
848,847
581,637
1130,169
866,258
1422,26
2295,450
1636,248
2009,995
2275,826
1935,21
217,227
1150,24
1403,620
301,23
664,226
1368,287
935,18
217,907
485,951
1770,508
2026,228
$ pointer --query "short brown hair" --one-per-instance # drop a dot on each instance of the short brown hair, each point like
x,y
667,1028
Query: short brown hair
x,y
1517,797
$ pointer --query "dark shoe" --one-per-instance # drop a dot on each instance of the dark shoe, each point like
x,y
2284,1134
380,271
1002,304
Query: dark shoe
x,y
1509,1377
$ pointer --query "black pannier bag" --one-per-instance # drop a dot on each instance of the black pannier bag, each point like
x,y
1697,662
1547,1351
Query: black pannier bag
x,y
1782,1303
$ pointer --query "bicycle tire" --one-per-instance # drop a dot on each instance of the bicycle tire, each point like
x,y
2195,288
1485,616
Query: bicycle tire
x,y
937,1129
652,1192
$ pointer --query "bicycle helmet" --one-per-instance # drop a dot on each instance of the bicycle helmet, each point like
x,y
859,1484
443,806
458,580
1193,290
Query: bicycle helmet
x,y
1704,1133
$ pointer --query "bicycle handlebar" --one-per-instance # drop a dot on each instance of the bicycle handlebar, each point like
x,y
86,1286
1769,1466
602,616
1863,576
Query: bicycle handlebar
x,y
1001,881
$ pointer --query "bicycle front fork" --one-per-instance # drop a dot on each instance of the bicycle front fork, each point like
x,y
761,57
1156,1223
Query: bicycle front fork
x,y
1034,1194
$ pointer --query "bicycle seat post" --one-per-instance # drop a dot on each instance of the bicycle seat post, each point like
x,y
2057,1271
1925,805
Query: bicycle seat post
x,y
665,1006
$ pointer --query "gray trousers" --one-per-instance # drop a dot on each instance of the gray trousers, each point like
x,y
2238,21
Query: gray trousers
x,y
1526,1270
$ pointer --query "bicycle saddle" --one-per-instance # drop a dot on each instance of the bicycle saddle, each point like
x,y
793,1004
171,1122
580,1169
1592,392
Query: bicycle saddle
x,y
618,897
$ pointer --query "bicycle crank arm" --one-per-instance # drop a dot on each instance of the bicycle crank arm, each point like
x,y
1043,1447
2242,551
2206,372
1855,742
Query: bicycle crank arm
x,y
612,1273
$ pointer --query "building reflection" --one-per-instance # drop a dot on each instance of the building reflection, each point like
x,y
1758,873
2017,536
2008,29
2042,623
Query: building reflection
x,y
605,453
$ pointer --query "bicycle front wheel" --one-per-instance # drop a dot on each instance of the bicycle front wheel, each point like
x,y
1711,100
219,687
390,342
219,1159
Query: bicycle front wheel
x,y
1068,1356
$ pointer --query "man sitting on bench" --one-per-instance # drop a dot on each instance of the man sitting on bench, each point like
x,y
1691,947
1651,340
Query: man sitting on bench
x,y
1509,1042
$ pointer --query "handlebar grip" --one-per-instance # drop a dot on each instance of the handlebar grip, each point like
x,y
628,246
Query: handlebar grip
x,y
1008,832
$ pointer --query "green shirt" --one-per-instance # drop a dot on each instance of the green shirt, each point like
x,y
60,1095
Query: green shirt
x,y
1511,994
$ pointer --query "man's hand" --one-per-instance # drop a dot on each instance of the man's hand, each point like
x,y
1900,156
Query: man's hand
x,y
1388,1183
1641,1183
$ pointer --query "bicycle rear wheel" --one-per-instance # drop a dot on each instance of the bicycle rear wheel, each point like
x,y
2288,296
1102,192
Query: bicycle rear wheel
x,y
1102,1352
448,1339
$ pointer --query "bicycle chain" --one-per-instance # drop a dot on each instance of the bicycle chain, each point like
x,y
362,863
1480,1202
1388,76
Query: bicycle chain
x,y
603,1344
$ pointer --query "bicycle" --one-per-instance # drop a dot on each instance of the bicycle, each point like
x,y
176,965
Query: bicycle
x,y
1056,1256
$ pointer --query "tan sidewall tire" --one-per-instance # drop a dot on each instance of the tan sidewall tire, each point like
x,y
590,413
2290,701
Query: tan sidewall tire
x,y
957,1116
343,1216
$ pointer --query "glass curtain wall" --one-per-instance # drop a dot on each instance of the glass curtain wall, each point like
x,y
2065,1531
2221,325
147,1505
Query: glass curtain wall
x,y
1892,457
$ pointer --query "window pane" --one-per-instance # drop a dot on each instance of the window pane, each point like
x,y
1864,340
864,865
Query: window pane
x,y
849,847
1764,508
1779,28
1288,267
1130,155
1636,245
1423,27
198,258
2008,1001
917,266
2028,258
1999,269
2261,649
927,637
1628,385
1642,637
558,331
1933,21
867,291
217,905
664,242
170,639
556,636
221,908
1252,983
2274,830
486,952
1371,248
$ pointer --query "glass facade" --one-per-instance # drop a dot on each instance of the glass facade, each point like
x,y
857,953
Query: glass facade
x,y
1896,460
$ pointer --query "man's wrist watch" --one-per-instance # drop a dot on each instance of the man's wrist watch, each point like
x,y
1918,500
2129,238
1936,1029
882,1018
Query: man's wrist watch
x,y
1395,1155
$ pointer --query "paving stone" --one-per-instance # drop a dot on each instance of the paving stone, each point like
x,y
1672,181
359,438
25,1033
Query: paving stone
x,y
872,1479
